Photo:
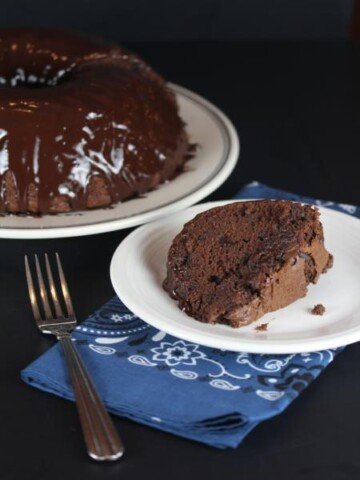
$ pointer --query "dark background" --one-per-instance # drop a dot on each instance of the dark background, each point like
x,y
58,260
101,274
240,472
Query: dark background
x,y
175,20
289,79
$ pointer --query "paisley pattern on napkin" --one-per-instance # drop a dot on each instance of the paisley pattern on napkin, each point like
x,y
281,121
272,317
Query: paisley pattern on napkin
x,y
204,394
113,330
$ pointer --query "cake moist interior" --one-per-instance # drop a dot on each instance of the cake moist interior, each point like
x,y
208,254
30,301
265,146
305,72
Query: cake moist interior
x,y
232,264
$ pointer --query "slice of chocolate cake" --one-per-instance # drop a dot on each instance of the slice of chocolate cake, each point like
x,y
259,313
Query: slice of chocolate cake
x,y
232,264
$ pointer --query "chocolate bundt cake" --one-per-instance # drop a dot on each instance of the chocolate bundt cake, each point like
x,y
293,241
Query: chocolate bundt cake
x,y
83,123
234,263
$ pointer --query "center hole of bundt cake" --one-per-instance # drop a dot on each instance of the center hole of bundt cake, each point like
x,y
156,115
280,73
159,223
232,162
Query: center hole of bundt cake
x,y
39,78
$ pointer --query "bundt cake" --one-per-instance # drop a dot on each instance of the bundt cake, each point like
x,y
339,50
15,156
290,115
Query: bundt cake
x,y
83,123
234,263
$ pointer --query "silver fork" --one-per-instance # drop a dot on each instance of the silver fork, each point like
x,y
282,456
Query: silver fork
x,y
101,438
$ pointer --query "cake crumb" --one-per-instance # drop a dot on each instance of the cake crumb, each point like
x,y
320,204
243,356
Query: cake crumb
x,y
262,327
318,309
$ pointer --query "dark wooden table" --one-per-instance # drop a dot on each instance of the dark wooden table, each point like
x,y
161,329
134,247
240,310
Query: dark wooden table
x,y
297,110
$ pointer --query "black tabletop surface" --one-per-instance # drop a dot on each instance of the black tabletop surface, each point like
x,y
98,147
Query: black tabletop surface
x,y
296,107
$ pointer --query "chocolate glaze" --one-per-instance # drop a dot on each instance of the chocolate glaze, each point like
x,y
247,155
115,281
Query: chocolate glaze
x,y
83,123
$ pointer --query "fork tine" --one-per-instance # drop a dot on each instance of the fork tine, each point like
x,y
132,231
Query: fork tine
x,y
64,287
43,293
32,294
54,296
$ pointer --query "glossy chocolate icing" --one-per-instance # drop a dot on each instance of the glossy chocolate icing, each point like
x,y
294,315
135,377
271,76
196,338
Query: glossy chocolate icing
x,y
83,123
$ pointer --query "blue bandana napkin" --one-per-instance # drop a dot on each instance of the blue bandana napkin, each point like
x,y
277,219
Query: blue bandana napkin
x,y
204,394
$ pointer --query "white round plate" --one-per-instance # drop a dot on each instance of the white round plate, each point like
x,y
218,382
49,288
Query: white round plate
x,y
213,162
138,270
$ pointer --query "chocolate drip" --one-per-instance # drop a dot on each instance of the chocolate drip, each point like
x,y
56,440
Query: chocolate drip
x,y
83,123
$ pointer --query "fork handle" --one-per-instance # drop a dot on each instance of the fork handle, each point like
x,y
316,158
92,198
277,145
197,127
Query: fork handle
x,y
101,438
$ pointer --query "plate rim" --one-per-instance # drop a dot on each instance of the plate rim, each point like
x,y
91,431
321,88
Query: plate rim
x,y
326,342
217,179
